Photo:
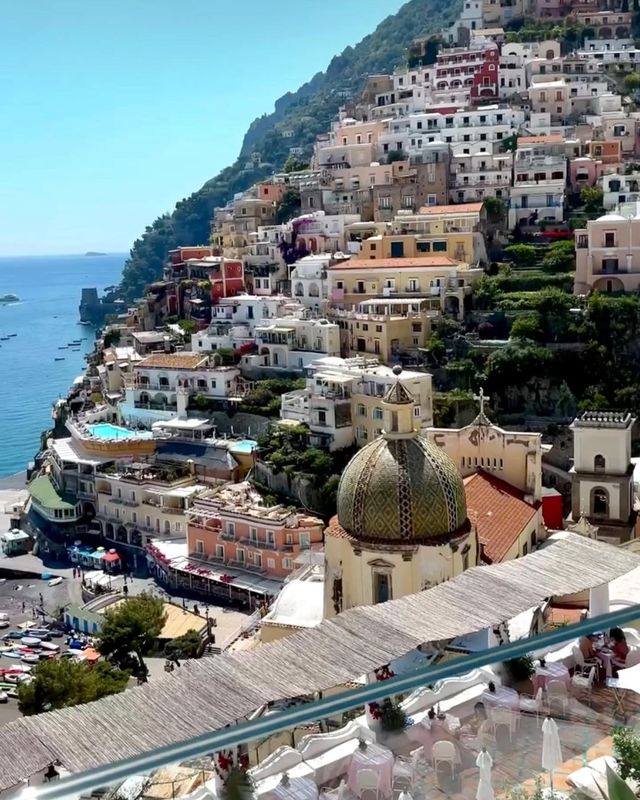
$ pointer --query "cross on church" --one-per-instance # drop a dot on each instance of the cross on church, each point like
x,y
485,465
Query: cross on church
x,y
481,397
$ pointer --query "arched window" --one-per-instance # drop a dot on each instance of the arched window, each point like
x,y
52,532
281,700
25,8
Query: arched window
x,y
314,291
599,463
299,290
600,502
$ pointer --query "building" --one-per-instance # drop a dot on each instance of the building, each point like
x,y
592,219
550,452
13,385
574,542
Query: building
x,y
139,502
479,175
291,344
342,401
602,487
230,526
177,259
402,522
162,386
620,188
539,182
608,254
440,280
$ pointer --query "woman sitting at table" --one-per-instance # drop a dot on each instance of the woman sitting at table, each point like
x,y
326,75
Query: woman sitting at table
x,y
586,648
477,732
619,649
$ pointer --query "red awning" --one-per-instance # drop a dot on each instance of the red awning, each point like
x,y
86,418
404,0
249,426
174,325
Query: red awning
x,y
111,557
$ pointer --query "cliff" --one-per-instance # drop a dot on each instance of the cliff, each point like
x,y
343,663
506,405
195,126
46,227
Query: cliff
x,y
307,112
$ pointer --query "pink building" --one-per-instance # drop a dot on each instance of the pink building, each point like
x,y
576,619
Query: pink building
x,y
584,171
230,526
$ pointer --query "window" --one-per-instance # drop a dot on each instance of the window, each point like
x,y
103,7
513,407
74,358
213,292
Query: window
x,y
199,546
177,527
378,413
287,563
417,411
240,556
439,247
213,384
423,247
271,563
219,551
231,528
134,517
600,502
361,410
525,549
271,537
253,534
305,541
381,587
257,559
599,463
609,239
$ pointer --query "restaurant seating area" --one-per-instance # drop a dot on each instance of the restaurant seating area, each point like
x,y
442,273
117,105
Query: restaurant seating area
x,y
449,724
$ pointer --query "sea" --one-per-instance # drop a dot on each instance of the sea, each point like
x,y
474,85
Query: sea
x,y
45,319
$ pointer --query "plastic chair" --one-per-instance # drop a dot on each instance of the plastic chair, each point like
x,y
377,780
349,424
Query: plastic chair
x,y
444,752
504,718
557,693
368,781
581,663
584,683
403,776
532,705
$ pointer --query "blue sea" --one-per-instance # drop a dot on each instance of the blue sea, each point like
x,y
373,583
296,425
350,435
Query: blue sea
x,y
46,318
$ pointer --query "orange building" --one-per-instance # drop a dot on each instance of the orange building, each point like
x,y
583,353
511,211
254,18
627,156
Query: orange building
x,y
230,526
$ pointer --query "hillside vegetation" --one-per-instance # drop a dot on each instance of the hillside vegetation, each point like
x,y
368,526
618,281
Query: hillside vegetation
x,y
307,112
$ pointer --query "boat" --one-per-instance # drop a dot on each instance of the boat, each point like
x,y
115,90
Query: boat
x,y
30,641
31,658
50,646
9,298
4,338
58,359
11,335
12,654
55,581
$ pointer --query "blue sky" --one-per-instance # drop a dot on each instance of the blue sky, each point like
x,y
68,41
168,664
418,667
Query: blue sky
x,y
114,109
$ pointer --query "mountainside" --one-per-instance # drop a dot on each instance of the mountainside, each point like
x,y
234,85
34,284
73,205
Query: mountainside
x,y
307,112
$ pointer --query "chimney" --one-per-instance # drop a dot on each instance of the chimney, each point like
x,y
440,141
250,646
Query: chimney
x,y
167,344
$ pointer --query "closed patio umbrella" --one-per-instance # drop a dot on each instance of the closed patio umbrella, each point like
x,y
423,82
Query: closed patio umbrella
x,y
484,762
551,750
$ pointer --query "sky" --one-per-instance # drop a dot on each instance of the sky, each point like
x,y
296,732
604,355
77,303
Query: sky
x,y
112,110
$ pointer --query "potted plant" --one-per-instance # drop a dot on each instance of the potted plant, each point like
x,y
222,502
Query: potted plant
x,y
392,717
233,781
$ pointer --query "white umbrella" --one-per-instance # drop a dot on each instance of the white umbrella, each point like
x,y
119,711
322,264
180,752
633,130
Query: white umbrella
x,y
551,750
484,762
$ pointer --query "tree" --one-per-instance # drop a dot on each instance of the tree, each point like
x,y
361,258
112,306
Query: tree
x,y
294,164
396,155
111,337
592,196
65,682
495,209
527,327
189,645
130,630
289,206
632,82
523,255
561,257
626,749
188,326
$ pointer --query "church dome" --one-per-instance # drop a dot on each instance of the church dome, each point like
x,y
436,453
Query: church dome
x,y
403,489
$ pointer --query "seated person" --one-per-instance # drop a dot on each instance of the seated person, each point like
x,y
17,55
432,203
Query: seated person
x,y
619,649
477,732
586,648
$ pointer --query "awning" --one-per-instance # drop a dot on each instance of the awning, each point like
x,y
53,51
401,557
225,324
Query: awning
x,y
110,557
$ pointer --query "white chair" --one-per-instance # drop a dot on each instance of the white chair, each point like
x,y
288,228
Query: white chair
x,y
444,752
368,782
584,683
581,663
403,776
557,694
532,705
504,718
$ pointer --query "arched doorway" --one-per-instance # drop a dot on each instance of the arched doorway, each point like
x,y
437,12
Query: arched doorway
x,y
608,285
121,535
136,538
108,531
599,502
88,509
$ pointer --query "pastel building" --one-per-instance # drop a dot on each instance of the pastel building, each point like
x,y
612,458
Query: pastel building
x,y
291,344
230,526
608,254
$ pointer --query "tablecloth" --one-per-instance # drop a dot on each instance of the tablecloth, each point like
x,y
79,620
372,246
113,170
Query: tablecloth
x,y
296,789
503,697
429,731
377,758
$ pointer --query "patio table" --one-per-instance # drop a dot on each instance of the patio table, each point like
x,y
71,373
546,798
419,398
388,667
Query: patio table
x,y
503,697
550,672
429,731
295,789
619,696
374,757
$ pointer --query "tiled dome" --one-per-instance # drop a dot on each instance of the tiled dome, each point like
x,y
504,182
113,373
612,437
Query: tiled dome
x,y
401,489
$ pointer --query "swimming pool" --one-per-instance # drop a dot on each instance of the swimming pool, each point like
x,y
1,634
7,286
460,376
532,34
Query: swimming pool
x,y
105,430
244,446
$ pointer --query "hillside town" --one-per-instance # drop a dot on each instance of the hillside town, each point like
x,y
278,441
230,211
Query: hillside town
x,y
395,392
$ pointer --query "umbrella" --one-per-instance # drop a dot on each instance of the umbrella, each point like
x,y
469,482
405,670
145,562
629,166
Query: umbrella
x,y
484,762
551,750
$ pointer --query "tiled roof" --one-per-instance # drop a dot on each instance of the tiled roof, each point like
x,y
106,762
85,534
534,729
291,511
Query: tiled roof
x,y
459,208
385,263
174,360
499,512
551,138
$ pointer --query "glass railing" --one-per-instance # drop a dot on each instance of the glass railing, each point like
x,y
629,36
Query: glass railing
x,y
537,718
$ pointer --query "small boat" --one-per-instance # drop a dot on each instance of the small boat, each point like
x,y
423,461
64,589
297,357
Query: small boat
x,y
11,335
55,581
63,347
31,658
12,654
58,359
4,338
50,646
30,641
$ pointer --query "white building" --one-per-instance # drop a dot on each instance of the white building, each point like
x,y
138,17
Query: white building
x,y
538,187
323,233
309,282
342,401
479,175
618,188
470,19
291,344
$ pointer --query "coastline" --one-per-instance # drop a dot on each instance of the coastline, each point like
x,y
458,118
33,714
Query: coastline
x,y
14,482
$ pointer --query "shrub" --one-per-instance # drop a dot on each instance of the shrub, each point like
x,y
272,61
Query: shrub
x,y
626,749
519,669
392,716
522,255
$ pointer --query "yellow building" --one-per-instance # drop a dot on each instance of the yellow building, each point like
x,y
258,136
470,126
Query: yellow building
x,y
385,327
442,280
456,231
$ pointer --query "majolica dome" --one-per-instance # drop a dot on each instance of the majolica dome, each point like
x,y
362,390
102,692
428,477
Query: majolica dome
x,y
401,490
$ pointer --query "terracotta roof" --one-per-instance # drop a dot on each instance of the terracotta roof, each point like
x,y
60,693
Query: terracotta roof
x,y
459,208
174,360
499,512
552,138
385,263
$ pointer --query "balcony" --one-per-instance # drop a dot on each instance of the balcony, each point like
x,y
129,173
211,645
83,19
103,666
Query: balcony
x,y
259,544
165,509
